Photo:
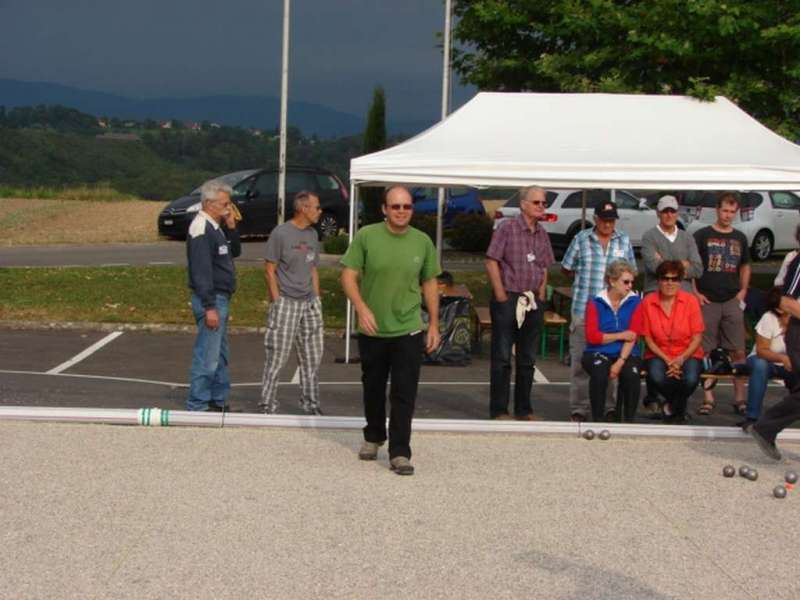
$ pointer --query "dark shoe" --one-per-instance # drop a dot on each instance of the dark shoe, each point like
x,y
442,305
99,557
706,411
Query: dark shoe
x,y
747,424
369,450
529,417
215,408
401,465
611,416
502,417
766,446
677,420
315,412
577,418
652,410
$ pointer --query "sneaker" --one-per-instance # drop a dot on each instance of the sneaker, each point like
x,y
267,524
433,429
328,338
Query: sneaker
x,y
502,417
369,450
529,417
215,408
766,446
401,465
747,424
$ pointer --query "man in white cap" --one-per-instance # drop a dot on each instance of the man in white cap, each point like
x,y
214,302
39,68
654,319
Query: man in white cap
x,y
666,241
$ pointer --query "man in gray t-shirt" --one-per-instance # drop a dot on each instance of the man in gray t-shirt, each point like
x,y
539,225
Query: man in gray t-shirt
x,y
294,318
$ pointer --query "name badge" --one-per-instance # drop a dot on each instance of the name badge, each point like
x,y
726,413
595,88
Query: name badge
x,y
310,257
531,257
223,250
619,253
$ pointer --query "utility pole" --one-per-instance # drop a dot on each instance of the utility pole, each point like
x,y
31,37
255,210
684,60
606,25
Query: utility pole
x,y
445,110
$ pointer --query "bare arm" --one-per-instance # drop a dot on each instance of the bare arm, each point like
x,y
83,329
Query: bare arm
x,y
366,320
315,282
790,305
763,351
271,276
493,271
744,281
430,292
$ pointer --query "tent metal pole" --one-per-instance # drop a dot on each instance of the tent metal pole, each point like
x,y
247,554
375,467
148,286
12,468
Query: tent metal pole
x,y
350,234
584,196
439,226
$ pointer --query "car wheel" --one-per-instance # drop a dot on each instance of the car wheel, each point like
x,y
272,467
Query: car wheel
x,y
762,245
575,229
327,226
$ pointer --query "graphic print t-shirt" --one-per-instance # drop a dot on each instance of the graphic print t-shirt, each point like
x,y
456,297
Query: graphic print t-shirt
x,y
296,252
723,255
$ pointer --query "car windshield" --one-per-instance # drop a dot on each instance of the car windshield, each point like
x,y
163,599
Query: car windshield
x,y
230,179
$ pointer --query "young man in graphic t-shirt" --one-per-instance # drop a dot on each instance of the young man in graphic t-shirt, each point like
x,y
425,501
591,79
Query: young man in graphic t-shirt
x,y
722,289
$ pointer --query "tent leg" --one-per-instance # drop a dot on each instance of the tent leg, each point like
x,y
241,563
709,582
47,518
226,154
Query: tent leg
x,y
350,232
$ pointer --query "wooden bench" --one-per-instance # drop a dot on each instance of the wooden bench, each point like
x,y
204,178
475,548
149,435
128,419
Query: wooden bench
x,y
483,322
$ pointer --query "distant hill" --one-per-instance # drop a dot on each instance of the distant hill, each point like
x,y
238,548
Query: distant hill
x,y
262,112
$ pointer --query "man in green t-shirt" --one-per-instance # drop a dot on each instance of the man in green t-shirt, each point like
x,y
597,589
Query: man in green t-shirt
x,y
392,259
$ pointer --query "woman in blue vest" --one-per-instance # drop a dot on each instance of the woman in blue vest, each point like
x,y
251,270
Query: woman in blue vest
x,y
613,324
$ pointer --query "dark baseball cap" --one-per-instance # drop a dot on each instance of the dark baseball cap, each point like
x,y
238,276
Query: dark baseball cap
x,y
606,210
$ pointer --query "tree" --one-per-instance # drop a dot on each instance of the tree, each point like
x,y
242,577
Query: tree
x,y
747,50
374,140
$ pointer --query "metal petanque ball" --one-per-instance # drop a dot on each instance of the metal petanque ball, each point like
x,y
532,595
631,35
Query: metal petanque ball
x,y
791,477
728,471
743,470
588,434
752,475
604,435
779,491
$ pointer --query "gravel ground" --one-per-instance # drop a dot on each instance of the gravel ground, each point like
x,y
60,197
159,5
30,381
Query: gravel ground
x,y
125,512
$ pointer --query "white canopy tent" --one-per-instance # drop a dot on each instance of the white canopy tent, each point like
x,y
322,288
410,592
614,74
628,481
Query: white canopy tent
x,y
588,141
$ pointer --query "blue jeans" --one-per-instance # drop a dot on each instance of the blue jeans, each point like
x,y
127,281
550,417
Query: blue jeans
x,y
209,378
676,391
761,371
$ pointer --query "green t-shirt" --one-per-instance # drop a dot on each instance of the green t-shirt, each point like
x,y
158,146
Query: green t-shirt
x,y
392,267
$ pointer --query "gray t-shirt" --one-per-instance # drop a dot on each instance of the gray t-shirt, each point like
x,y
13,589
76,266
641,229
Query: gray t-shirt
x,y
296,252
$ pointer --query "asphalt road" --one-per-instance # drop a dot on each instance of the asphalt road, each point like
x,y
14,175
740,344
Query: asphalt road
x,y
144,369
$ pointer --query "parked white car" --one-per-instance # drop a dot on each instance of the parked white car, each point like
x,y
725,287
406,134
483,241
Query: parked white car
x,y
768,219
563,216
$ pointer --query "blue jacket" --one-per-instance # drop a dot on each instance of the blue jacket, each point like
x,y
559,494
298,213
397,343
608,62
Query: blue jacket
x,y
601,318
210,253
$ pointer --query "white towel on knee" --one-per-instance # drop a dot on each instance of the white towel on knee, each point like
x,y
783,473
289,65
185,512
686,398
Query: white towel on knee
x,y
526,302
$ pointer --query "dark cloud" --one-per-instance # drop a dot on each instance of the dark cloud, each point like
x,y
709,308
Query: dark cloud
x,y
340,49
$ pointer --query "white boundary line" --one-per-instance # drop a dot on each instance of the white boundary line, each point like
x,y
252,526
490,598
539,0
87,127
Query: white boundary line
x,y
539,377
86,353
296,376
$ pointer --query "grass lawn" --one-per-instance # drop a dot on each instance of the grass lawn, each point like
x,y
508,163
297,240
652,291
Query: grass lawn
x,y
158,294
153,295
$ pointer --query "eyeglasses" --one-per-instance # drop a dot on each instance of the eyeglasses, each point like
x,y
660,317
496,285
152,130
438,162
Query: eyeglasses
x,y
536,202
401,206
626,281
669,278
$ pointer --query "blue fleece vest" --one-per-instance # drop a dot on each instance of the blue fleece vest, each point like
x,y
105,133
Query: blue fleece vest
x,y
611,322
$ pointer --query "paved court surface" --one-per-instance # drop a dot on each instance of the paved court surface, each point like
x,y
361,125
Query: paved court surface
x,y
145,369
91,511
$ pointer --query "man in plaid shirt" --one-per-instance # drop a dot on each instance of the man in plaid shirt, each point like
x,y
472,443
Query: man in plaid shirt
x,y
585,262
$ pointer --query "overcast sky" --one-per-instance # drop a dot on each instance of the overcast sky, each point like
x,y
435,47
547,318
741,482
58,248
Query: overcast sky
x,y
340,49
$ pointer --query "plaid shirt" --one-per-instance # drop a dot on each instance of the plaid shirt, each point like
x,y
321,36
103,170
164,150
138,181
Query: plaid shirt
x,y
585,256
523,254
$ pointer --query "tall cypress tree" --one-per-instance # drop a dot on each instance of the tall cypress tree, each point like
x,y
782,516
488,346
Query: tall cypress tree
x,y
374,140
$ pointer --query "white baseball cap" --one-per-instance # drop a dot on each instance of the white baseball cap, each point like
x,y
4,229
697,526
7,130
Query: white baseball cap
x,y
666,202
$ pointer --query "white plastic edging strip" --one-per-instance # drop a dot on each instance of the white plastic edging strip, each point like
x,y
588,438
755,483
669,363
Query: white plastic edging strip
x,y
162,417
86,353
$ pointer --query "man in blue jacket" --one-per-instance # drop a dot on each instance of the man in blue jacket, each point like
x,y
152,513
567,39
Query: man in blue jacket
x,y
210,250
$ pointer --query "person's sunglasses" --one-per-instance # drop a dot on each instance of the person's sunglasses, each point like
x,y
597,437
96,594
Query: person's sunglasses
x,y
401,206
669,278
536,202
626,281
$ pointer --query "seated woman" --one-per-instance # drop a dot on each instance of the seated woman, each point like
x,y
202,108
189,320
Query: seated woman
x,y
673,331
613,322
768,360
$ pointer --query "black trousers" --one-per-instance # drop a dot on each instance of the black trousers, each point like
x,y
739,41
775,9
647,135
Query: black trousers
x,y
628,388
401,357
526,339
778,417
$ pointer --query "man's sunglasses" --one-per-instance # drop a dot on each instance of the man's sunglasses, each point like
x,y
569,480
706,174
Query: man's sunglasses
x,y
669,278
401,206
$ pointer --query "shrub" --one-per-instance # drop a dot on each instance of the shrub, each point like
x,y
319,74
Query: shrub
x,y
336,244
470,233
426,224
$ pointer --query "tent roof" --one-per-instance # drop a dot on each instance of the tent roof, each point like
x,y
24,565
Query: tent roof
x,y
590,141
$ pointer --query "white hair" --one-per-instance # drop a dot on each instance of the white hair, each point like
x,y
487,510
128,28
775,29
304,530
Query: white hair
x,y
212,188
